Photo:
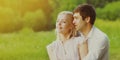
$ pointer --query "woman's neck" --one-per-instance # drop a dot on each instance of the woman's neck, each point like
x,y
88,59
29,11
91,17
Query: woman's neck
x,y
64,37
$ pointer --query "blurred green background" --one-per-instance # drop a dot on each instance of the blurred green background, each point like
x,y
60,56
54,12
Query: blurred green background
x,y
27,26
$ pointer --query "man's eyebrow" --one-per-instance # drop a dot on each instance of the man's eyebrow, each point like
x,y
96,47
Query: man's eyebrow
x,y
74,16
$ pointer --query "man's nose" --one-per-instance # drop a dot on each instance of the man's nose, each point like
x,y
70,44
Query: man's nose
x,y
73,21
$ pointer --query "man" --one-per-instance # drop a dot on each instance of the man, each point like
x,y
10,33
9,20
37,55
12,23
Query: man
x,y
96,44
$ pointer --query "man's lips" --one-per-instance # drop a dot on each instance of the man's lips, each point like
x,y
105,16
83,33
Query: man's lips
x,y
75,25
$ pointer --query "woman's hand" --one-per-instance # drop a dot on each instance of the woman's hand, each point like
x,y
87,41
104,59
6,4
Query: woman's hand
x,y
83,49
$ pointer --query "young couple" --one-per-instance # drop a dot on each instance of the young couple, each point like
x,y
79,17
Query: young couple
x,y
77,37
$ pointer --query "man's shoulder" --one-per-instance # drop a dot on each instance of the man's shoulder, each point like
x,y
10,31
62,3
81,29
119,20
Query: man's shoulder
x,y
100,37
99,32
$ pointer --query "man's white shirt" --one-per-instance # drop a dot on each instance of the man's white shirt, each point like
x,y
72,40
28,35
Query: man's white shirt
x,y
98,45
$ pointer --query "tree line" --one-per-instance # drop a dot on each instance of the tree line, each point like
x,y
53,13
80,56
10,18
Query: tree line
x,y
41,15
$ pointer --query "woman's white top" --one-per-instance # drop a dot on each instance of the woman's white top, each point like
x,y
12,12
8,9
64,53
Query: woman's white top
x,y
67,51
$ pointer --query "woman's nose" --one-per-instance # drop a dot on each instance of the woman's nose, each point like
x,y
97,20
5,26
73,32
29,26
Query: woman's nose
x,y
59,24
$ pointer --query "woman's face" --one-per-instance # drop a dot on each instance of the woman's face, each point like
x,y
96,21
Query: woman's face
x,y
64,23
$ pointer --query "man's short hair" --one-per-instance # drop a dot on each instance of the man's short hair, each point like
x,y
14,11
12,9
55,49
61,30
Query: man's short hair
x,y
86,10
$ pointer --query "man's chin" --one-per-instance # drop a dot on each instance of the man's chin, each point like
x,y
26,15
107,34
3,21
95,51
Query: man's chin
x,y
76,28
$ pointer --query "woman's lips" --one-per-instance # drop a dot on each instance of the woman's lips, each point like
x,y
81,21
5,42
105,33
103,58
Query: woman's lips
x,y
60,27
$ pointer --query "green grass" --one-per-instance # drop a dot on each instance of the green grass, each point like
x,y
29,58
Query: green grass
x,y
28,45
25,45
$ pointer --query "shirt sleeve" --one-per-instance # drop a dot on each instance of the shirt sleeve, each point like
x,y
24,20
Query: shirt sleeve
x,y
51,51
98,50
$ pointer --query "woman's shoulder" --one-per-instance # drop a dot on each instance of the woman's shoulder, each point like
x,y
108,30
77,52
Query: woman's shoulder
x,y
53,44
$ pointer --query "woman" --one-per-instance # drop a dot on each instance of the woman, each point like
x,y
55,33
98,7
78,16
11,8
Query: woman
x,y
65,47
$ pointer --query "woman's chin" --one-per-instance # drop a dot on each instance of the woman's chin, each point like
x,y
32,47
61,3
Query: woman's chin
x,y
61,32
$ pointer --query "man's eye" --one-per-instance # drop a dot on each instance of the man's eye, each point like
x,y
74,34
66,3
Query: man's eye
x,y
76,18
64,22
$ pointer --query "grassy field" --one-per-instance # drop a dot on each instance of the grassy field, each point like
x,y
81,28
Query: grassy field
x,y
28,45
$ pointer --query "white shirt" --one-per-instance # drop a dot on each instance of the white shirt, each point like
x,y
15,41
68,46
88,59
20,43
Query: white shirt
x,y
98,45
68,51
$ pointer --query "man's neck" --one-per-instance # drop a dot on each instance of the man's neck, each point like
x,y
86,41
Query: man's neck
x,y
86,30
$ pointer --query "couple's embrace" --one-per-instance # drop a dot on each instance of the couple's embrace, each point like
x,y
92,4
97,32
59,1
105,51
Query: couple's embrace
x,y
77,37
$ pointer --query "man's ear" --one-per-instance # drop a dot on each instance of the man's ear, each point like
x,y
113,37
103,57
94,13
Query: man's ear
x,y
87,19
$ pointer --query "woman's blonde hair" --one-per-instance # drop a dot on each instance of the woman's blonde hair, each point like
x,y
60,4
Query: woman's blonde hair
x,y
73,31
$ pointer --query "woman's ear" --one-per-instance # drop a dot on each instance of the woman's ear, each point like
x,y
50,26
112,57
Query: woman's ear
x,y
87,19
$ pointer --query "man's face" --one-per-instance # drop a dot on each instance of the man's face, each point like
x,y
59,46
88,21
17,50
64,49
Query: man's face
x,y
79,22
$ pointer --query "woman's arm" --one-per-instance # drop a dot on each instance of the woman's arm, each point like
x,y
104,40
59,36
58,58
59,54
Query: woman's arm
x,y
83,49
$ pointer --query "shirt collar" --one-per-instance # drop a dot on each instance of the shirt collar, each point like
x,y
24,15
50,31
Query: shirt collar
x,y
90,33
